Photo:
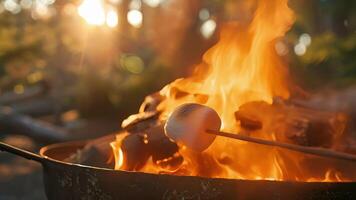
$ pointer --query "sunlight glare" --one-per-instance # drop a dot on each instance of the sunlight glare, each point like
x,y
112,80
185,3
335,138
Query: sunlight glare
x,y
112,18
92,11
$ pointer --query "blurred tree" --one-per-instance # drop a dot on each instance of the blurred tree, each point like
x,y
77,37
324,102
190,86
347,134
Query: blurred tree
x,y
104,69
329,60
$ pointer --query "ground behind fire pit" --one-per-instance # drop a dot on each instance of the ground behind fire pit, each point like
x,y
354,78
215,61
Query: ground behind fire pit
x,y
21,178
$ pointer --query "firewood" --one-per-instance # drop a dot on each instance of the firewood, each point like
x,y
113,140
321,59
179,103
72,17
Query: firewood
x,y
291,123
140,122
97,153
248,117
137,147
147,115
136,152
247,122
150,103
91,156
164,152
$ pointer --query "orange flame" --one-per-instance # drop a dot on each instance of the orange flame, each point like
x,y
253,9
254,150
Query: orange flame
x,y
242,67
119,154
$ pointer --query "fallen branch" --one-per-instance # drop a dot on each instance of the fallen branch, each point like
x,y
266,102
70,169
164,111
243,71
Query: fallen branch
x,y
22,124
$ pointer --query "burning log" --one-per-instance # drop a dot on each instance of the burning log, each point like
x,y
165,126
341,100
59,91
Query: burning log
x,y
135,152
146,117
145,138
247,122
163,150
140,122
96,153
150,103
137,148
200,134
290,123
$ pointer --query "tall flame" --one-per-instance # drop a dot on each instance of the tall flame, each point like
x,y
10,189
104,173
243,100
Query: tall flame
x,y
242,67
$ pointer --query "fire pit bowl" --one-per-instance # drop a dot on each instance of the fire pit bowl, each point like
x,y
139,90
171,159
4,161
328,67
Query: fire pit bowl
x,y
72,181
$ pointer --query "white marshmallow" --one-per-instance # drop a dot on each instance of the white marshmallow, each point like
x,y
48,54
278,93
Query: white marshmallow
x,y
188,123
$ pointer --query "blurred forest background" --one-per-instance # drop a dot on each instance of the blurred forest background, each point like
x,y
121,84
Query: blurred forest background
x,y
102,57
84,65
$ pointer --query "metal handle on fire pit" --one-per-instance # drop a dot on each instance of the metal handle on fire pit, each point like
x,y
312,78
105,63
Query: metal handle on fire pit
x,y
20,152
309,150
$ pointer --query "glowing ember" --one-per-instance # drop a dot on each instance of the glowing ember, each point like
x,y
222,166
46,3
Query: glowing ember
x,y
242,67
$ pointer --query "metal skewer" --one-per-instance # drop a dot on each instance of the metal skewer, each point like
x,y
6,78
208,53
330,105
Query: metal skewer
x,y
309,150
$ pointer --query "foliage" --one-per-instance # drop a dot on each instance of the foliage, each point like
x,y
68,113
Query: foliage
x,y
113,69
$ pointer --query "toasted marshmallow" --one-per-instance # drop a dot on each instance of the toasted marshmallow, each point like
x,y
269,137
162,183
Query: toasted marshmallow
x,y
188,123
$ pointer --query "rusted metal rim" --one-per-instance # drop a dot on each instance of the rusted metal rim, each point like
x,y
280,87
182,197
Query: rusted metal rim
x,y
76,145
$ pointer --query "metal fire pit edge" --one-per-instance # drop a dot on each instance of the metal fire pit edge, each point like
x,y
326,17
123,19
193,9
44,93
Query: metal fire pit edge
x,y
71,181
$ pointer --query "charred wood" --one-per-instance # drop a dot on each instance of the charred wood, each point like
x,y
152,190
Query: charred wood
x,y
136,152
164,152
291,123
140,122
97,153
247,122
151,102
137,148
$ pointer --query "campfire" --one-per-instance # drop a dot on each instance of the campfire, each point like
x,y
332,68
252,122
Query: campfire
x,y
236,126
244,80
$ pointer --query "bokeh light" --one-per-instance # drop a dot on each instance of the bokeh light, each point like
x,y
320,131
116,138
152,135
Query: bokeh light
x,y
300,49
41,10
12,6
35,77
132,63
19,89
26,4
135,17
153,3
112,18
305,39
204,14
208,28
92,11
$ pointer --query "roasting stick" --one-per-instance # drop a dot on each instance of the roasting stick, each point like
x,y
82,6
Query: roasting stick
x,y
196,127
309,150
